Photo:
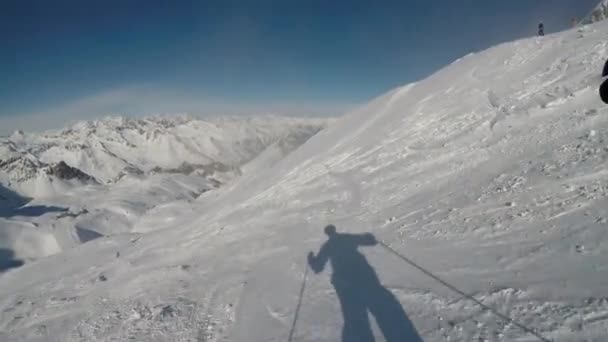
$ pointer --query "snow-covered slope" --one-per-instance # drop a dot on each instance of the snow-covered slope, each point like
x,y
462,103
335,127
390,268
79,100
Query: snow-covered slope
x,y
488,179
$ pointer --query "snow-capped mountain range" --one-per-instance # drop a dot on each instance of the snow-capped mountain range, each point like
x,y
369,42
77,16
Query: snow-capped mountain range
x,y
104,151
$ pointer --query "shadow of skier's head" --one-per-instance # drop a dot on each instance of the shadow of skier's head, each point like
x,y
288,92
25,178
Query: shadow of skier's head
x,y
330,230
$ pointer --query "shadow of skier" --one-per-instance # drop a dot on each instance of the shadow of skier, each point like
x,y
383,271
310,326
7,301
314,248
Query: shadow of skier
x,y
359,290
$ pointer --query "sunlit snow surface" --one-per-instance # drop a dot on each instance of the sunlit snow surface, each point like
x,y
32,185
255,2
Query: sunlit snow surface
x,y
490,174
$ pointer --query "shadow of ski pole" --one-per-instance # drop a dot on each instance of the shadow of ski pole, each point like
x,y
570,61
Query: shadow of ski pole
x,y
295,316
462,293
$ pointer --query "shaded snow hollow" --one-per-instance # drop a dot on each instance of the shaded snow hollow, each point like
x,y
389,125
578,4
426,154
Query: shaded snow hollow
x,y
489,175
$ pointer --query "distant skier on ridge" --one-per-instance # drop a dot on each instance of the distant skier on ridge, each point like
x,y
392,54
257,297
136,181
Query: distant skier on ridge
x,y
541,29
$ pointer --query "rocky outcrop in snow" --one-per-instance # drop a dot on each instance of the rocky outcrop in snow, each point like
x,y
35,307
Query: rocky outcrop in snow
x,y
62,170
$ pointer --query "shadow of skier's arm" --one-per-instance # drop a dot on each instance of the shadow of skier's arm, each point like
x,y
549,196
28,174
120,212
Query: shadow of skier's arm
x,y
317,263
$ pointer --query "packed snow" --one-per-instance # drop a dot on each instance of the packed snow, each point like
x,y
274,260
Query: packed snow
x,y
469,206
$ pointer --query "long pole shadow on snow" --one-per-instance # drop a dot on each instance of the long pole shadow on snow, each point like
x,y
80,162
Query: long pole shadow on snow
x,y
359,290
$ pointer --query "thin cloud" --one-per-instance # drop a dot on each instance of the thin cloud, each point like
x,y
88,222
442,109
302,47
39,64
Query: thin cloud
x,y
143,100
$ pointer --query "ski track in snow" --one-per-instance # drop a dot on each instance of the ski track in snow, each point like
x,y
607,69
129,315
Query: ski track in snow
x,y
490,174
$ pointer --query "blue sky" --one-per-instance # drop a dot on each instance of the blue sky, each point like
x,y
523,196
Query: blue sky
x,y
63,60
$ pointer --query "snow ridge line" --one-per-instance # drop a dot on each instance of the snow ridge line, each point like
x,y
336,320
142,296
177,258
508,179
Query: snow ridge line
x,y
465,295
